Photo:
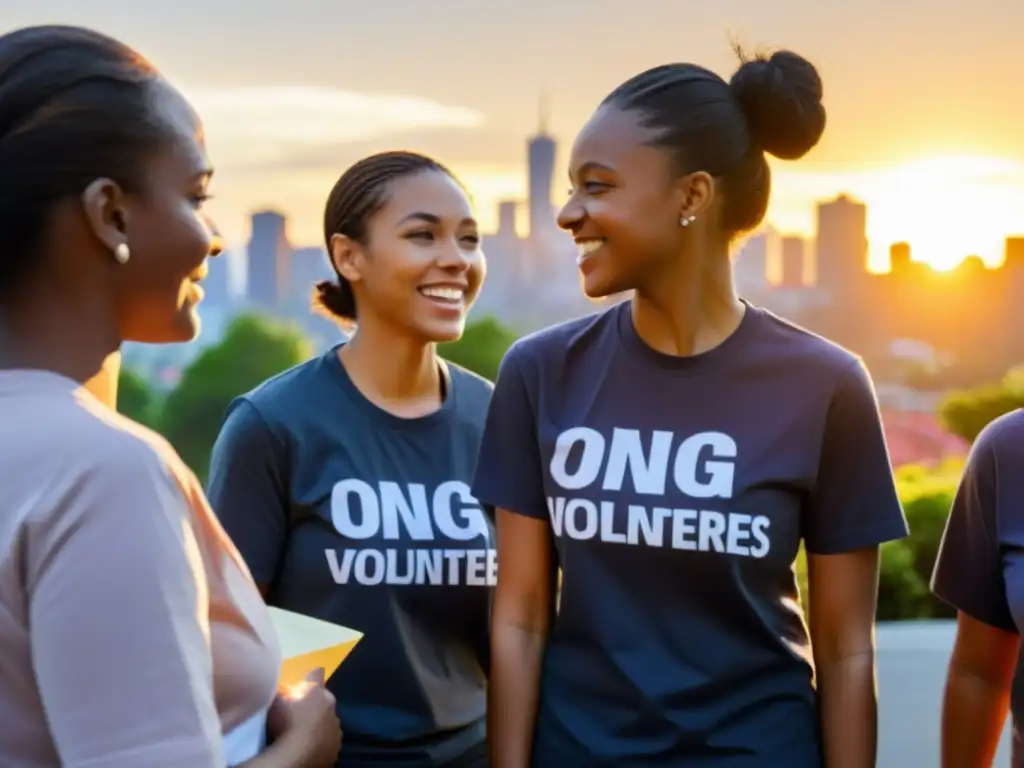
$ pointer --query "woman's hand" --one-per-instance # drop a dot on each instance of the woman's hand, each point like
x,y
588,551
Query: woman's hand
x,y
305,723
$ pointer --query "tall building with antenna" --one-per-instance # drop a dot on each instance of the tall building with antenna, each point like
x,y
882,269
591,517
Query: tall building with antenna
x,y
540,151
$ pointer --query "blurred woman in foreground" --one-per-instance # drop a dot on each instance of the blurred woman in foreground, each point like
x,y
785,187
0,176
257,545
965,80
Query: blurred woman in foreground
x,y
131,633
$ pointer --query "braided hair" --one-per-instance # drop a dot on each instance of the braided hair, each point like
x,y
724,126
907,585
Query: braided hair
x,y
772,104
356,197
75,105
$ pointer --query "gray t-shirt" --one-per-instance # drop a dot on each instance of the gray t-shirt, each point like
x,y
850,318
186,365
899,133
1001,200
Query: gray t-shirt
x,y
980,566
356,516
131,634
678,490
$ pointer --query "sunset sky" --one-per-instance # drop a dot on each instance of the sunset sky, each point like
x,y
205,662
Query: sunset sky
x,y
925,107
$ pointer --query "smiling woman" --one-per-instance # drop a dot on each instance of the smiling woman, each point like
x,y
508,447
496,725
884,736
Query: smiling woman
x,y
345,481
130,633
670,455
399,192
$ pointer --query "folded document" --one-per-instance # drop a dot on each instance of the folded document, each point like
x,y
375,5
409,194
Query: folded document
x,y
307,646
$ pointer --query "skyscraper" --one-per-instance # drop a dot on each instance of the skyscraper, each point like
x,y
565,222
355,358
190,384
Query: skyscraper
x,y
507,210
750,266
1014,251
541,150
217,284
899,257
842,258
793,254
269,258
308,267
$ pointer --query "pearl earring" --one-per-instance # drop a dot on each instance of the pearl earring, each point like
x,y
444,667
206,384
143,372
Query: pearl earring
x,y
686,221
121,253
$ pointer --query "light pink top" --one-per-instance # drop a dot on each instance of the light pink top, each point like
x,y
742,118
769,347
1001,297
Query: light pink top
x,y
131,633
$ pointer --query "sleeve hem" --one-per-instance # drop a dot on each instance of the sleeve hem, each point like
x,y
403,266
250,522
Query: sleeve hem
x,y
860,538
960,603
517,506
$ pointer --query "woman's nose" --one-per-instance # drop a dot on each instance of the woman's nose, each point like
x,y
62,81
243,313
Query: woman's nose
x,y
569,215
216,241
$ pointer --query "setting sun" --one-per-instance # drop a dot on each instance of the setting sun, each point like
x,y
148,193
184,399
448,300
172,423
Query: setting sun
x,y
947,208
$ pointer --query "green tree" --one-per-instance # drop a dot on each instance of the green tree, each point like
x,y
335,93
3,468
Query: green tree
x,y
137,400
902,592
927,512
966,412
907,564
481,348
253,349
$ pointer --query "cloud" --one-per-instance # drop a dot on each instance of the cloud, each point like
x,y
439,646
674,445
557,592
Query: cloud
x,y
450,145
266,125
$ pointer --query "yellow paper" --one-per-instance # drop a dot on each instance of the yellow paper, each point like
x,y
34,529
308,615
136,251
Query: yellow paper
x,y
308,644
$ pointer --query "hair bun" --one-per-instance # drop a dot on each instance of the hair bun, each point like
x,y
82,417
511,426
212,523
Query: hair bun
x,y
781,98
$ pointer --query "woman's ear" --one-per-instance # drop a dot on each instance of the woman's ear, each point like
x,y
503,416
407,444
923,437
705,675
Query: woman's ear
x,y
696,190
347,257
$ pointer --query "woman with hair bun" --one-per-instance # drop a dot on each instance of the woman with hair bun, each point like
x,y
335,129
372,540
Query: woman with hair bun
x,y
131,633
671,454
344,481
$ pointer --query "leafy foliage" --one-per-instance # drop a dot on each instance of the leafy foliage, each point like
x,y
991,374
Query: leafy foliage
x,y
906,565
966,412
253,349
481,348
137,400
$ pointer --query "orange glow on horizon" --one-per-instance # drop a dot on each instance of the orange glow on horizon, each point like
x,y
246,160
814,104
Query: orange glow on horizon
x,y
947,207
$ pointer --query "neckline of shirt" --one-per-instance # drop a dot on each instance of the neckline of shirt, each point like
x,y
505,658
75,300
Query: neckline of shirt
x,y
688,365
20,381
332,362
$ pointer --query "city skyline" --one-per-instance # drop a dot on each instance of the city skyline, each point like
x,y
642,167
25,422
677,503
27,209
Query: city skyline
x,y
954,247
292,95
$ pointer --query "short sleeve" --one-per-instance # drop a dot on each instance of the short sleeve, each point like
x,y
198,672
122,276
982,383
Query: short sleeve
x,y
118,611
509,469
853,503
968,571
247,490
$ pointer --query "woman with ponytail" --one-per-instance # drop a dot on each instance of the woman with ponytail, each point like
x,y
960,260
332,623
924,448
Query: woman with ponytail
x,y
344,482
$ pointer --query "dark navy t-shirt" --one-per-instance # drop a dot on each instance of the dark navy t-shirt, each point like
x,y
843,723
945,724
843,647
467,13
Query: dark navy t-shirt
x,y
678,490
359,517
980,567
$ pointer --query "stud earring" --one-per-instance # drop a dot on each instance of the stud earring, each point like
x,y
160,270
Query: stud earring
x,y
121,253
686,221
